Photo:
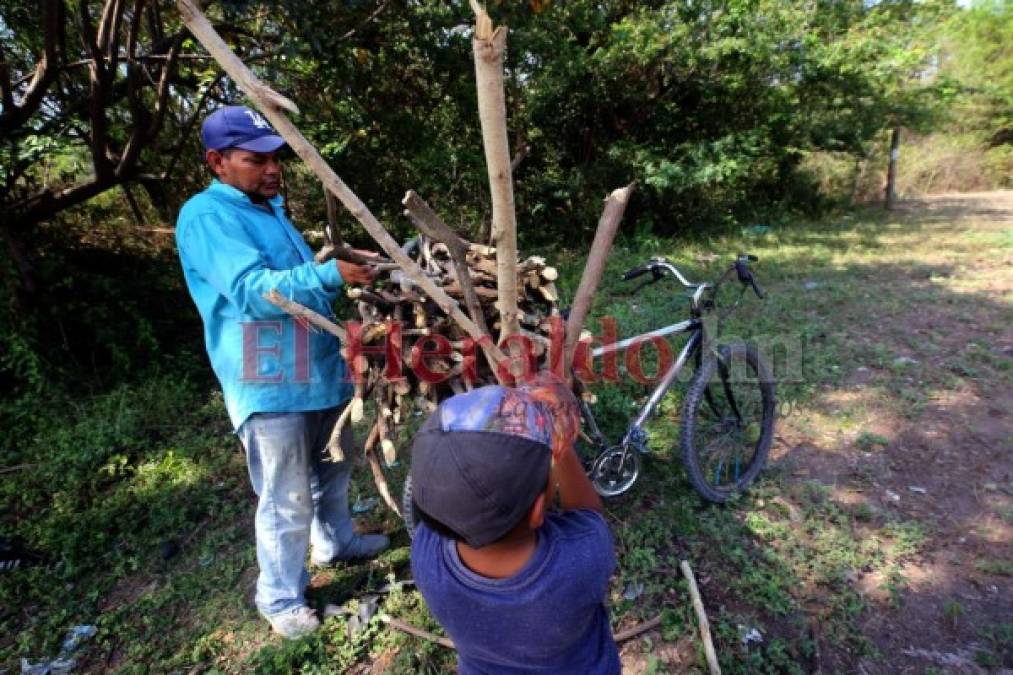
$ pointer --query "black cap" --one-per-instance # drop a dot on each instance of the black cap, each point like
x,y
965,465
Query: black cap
x,y
480,460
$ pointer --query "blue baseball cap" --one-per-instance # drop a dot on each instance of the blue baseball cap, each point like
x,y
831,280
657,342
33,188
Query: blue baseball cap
x,y
481,459
237,126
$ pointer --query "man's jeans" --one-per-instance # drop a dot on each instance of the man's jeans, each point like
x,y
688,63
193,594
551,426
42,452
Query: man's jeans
x,y
303,499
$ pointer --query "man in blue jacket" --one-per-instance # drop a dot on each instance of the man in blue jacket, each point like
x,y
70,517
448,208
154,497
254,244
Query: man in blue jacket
x,y
283,384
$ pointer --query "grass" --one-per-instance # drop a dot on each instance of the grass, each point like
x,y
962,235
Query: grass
x,y
994,567
140,500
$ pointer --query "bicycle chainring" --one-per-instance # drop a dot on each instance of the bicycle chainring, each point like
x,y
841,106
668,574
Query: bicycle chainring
x,y
615,471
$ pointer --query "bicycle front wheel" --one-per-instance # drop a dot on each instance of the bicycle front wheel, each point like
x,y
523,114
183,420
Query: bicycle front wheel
x,y
728,421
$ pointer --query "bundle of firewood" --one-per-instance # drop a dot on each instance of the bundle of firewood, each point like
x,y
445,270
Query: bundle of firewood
x,y
393,308
394,297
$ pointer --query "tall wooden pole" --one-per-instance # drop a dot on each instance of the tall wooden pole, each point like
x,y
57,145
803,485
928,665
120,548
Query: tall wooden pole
x,y
489,46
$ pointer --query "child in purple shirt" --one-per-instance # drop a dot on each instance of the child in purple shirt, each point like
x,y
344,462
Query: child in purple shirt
x,y
517,588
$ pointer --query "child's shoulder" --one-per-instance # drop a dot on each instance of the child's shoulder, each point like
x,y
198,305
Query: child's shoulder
x,y
577,524
579,552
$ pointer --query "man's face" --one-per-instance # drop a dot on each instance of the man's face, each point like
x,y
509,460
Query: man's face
x,y
258,174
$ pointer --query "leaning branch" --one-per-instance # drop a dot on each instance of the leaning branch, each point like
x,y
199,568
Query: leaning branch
x,y
608,224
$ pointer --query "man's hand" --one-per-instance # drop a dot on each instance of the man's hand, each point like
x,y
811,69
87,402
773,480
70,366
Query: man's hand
x,y
357,275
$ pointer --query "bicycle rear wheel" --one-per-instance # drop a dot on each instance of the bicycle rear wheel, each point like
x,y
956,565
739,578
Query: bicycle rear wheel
x,y
728,421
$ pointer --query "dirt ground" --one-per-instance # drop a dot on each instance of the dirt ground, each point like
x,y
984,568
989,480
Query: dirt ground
x,y
947,461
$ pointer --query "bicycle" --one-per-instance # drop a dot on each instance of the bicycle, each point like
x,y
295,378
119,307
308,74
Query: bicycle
x,y
727,417
739,414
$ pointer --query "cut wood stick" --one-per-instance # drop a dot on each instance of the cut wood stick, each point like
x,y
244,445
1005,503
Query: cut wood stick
x,y
633,632
369,449
334,448
381,482
302,312
417,632
701,616
271,104
426,220
489,46
608,224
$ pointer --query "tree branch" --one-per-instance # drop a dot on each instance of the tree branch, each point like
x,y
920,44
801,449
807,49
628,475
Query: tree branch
x,y
198,111
46,69
113,49
134,32
47,202
98,91
133,145
105,24
369,19
522,152
6,87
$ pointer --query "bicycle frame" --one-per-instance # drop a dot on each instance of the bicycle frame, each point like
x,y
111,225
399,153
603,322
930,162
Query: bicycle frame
x,y
635,436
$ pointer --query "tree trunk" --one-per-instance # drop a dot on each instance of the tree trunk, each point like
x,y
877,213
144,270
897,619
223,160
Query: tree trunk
x,y
891,171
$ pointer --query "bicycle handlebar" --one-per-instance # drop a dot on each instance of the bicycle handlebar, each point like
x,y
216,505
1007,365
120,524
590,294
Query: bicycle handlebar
x,y
658,267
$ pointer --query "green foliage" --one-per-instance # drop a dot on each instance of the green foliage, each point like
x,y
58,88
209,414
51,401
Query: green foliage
x,y
995,567
94,477
711,106
979,58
